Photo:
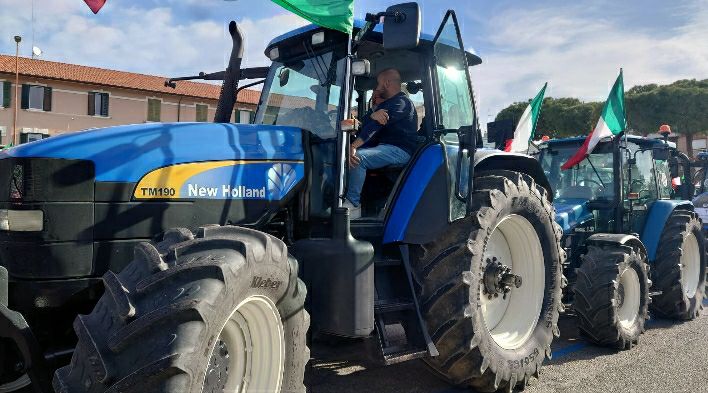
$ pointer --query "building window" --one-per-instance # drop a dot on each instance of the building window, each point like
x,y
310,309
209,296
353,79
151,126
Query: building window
x,y
37,97
202,112
3,135
245,117
5,94
154,106
98,104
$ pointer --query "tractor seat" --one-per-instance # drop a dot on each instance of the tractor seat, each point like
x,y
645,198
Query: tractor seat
x,y
392,172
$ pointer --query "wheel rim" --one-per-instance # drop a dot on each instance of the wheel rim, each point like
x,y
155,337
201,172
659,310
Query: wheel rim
x,y
628,293
249,354
690,265
511,319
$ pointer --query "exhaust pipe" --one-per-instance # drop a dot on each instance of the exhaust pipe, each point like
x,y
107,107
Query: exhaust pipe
x,y
227,98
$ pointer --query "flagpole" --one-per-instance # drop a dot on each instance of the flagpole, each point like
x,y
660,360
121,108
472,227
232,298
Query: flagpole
x,y
17,85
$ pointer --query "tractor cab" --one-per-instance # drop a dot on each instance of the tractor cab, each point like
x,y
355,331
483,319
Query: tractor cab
x,y
310,86
615,185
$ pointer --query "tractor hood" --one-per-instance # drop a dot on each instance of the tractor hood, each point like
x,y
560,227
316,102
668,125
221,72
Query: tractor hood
x,y
127,153
571,212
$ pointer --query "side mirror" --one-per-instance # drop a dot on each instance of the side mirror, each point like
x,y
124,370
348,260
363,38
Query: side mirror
x,y
284,77
402,26
661,153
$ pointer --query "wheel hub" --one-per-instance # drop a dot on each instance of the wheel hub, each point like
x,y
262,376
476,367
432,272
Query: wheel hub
x,y
620,295
498,279
218,370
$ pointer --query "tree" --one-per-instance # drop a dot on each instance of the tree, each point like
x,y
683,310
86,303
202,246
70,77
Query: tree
x,y
682,104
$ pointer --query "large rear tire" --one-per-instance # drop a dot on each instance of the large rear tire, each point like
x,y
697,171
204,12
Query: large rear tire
x,y
493,336
612,295
679,270
222,311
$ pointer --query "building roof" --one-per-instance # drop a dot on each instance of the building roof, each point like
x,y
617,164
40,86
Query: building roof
x,y
112,78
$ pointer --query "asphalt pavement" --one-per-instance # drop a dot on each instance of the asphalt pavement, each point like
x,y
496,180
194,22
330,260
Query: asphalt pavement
x,y
671,357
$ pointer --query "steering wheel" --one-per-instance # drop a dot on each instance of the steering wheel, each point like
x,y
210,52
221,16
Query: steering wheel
x,y
309,119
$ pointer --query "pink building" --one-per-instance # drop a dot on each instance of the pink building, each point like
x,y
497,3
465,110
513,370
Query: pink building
x,y
55,98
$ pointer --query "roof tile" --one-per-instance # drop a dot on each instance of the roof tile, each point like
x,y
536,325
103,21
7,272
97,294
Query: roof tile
x,y
121,79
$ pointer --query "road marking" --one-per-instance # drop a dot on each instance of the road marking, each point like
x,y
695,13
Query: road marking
x,y
568,350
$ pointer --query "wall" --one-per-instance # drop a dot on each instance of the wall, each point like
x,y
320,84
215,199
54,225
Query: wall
x,y
69,110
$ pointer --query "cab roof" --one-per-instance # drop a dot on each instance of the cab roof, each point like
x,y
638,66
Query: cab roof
x,y
377,35
578,140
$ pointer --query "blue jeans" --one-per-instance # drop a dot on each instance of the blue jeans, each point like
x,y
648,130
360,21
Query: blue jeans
x,y
372,158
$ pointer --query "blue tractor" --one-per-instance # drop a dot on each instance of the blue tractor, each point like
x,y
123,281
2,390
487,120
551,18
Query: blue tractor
x,y
456,260
629,235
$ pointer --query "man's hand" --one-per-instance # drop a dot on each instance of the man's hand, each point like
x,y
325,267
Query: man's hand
x,y
381,116
354,160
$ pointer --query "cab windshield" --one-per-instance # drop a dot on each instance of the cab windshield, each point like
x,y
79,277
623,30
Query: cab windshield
x,y
304,93
591,179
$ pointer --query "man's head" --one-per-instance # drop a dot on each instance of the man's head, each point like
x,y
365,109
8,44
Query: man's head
x,y
388,83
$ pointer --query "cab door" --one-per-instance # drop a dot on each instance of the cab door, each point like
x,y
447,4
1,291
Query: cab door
x,y
455,114
435,187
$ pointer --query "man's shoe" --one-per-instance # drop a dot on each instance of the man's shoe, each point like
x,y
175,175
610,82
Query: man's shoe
x,y
354,211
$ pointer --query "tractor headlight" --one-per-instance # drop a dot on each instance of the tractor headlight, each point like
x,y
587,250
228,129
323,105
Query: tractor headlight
x,y
21,220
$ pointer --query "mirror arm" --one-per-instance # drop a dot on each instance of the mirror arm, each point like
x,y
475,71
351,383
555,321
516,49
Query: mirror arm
x,y
258,82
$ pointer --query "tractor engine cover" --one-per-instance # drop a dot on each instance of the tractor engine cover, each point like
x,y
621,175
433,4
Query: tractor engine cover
x,y
99,192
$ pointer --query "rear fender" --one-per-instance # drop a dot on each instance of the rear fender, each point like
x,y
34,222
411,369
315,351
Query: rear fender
x,y
616,238
490,160
659,212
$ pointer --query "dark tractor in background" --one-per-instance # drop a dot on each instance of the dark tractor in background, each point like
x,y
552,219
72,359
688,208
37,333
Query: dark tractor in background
x,y
628,234
457,260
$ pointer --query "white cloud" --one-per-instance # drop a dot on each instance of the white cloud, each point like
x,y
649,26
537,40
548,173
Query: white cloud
x,y
133,39
580,56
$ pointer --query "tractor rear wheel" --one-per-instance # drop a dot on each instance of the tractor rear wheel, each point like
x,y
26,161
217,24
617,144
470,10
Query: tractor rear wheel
x,y
490,287
219,312
680,267
612,295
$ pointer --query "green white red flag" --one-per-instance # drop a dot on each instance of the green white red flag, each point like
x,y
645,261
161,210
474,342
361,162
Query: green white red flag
x,y
527,125
95,5
612,122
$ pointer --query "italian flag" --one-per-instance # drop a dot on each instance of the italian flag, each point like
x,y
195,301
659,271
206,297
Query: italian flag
x,y
332,14
527,124
612,122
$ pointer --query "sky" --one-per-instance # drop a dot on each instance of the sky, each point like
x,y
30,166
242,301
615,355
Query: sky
x,y
576,46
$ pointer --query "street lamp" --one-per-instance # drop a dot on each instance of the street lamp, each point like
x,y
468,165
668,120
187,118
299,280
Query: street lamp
x,y
17,82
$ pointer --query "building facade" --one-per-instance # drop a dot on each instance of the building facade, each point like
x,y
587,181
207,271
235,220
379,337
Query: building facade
x,y
56,98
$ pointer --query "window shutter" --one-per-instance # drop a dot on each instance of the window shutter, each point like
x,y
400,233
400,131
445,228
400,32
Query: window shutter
x,y
6,94
154,109
47,107
25,96
251,117
104,104
91,103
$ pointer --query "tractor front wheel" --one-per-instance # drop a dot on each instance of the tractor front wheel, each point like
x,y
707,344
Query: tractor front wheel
x,y
612,295
490,288
219,312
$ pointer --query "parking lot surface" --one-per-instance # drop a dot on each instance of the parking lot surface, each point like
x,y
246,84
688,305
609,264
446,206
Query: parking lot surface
x,y
670,357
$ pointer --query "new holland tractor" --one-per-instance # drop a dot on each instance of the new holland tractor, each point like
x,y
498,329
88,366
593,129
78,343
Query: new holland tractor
x,y
634,242
456,259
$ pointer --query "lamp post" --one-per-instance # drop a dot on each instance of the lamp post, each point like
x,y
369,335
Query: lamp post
x,y
17,83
